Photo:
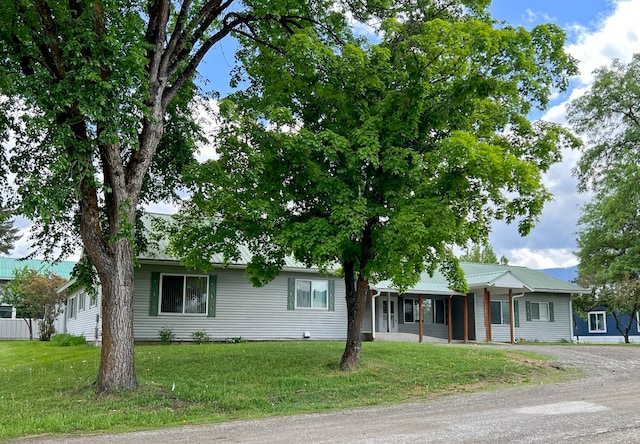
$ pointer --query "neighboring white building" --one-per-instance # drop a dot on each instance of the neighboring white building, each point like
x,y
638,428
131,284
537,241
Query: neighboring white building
x,y
12,326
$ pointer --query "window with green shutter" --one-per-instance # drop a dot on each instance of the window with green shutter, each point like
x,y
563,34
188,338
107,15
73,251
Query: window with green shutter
x,y
540,311
315,294
182,294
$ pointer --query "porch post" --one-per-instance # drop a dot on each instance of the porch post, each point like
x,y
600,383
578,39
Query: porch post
x,y
466,318
373,315
450,327
487,315
511,317
388,312
420,319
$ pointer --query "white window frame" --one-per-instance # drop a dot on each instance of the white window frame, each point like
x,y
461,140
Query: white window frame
x,y
592,328
431,308
324,282
72,308
504,307
93,299
81,301
184,285
539,318
415,304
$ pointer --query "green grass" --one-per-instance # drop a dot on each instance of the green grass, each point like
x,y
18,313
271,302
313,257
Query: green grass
x,y
48,389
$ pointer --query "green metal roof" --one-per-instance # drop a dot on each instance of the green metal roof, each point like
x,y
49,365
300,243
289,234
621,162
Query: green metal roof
x,y
8,265
485,275
477,275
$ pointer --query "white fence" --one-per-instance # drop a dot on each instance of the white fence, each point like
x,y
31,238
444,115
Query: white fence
x,y
17,329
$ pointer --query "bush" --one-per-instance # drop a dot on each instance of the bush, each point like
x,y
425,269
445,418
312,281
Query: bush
x,y
200,336
237,340
166,335
67,339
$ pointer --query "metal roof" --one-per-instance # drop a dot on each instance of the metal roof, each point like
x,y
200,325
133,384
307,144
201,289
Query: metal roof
x,y
487,275
477,275
8,265
160,252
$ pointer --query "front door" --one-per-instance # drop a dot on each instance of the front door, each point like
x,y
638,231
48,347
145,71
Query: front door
x,y
388,318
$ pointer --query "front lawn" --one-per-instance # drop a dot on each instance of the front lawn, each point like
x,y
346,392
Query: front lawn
x,y
48,389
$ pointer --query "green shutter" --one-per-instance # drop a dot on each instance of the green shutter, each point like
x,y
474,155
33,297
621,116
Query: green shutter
x,y
332,295
291,294
516,314
550,311
528,308
213,282
400,310
154,296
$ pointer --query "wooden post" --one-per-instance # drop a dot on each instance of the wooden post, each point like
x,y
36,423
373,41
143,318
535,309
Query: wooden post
x,y
449,327
511,317
487,315
466,318
420,319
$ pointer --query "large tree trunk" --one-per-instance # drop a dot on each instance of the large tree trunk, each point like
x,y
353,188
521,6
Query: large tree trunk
x,y
117,365
356,296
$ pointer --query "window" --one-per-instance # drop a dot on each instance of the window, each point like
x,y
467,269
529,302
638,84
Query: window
x,y
411,310
5,311
540,311
72,308
433,311
597,322
500,312
93,299
81,300
183,294
312,293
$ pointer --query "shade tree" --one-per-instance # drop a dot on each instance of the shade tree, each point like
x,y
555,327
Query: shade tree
x,y
97,98
379,158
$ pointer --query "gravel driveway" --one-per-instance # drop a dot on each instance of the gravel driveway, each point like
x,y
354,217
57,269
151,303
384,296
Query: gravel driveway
x,y
604,407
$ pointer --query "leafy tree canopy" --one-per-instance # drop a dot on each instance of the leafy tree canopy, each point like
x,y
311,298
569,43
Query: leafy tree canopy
x,y
609,232
483,254
8,233
380,157
609,249
607,115
98,98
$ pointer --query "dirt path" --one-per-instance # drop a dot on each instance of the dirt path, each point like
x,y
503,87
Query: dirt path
x,y
602,408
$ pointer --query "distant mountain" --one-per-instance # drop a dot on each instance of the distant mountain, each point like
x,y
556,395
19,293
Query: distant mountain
x,y
566,274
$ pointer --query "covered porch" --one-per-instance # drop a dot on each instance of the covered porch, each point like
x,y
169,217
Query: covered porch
x,y
444,315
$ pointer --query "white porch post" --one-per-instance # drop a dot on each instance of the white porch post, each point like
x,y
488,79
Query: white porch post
x,y
373,316
388,312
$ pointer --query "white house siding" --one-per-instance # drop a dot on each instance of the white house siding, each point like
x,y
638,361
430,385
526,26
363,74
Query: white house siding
x,y
241,310
543,331
85,321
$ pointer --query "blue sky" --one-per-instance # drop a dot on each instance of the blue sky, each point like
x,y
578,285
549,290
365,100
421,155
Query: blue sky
x,y
597,31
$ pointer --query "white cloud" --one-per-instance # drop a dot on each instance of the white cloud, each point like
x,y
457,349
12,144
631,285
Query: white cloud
x,y
552,242
540,259
617,36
